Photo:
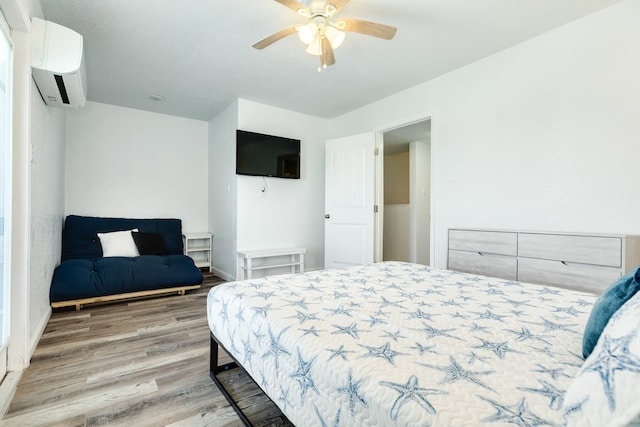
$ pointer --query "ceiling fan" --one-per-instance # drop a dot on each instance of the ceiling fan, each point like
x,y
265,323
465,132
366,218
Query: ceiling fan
x,y
322,34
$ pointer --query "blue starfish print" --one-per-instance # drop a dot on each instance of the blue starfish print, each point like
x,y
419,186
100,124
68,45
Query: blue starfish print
x,y
515,303
340,295
352,390
303,376
240,314
489,315
284,398
553,373
499,348
419,314
248,351
383,352
370,290
552,326
614,356
351,330
525,334
339,310
262,311
454,372
411,392
302,303
518,414
434,332
555,396
393,335
224,311
407,295
424,349
473,357
385,302
265,295
339,352
275,348
303,317
323,423
475,327
451,302
312,287
312,331
376,321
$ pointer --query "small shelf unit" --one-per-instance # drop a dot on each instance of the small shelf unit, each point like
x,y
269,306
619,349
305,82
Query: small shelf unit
x,y
290,257
198,246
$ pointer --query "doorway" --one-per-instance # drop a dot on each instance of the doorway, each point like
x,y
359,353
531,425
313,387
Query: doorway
x,y
407,193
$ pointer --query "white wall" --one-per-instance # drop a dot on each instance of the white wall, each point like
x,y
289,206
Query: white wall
x,y
131,163
541,136
223,191
46,208
291,214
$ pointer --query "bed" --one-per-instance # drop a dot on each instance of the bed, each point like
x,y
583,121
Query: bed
x,y
399,344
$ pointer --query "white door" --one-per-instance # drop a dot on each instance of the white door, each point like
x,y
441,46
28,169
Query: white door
x,y
350,197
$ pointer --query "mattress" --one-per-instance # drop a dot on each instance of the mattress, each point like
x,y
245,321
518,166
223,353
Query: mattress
x,y
399,344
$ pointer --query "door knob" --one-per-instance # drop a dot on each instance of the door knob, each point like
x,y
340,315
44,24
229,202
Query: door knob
x,y
327,216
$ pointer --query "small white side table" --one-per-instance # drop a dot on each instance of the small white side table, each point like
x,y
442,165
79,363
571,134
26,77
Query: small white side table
x,y
198,247
296,260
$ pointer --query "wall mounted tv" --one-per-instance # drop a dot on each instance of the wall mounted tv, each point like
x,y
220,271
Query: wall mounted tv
x,y
267,155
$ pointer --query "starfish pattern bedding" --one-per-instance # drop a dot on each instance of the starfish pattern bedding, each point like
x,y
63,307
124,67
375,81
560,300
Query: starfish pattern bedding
x,y
400,344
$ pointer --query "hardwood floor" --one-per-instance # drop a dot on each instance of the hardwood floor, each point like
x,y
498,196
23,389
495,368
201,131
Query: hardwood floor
x,y
137,363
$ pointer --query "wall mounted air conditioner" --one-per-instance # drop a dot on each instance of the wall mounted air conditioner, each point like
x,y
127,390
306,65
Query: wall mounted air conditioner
x,y
57,64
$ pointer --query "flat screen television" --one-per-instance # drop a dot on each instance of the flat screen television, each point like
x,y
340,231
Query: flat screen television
x,y
267,155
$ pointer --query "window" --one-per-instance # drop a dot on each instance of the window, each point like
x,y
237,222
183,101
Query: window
x,y
6,54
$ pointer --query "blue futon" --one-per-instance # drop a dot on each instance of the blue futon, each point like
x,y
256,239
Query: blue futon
x,y
86,276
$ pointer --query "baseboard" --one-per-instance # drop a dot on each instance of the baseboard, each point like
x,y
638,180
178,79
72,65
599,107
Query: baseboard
x,y
35,339
221,274
8,389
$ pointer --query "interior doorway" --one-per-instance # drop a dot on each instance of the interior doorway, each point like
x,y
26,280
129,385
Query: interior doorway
x,y
407,193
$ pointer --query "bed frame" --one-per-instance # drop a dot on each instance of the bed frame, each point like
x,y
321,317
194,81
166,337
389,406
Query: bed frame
x,y
215,369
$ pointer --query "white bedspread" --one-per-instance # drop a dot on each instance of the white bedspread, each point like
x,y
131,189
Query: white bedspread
x,y
397,344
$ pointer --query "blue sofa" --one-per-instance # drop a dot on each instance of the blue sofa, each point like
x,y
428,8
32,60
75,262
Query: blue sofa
x,y
85,276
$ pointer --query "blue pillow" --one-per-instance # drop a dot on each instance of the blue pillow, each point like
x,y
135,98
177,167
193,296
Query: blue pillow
x,y
612,299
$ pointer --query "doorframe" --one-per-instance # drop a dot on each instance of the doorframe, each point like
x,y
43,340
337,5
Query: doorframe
x,y
379,171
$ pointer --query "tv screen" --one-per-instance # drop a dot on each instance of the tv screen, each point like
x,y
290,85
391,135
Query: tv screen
x,y
267,155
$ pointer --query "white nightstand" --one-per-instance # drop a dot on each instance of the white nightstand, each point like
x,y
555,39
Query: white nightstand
x,y
198,247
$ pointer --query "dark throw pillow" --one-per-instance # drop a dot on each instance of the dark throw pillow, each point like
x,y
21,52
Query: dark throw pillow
x,y
612,299
149,243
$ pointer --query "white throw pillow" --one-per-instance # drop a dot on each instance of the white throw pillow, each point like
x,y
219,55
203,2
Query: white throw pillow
x,y
118,243
605,391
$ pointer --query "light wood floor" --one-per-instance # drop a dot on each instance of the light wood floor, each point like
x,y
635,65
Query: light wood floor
x,y
138,363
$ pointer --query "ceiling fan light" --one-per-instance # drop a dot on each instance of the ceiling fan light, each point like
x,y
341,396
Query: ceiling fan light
x,y
335,36
307,33
315,47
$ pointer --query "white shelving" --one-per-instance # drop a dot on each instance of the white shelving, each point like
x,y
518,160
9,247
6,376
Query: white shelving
x,y
291,257
198,247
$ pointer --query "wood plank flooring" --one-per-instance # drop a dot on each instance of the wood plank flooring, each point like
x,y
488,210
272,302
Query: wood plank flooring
x,y
137,363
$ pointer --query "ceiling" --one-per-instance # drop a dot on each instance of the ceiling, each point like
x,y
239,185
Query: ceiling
x,y
197,54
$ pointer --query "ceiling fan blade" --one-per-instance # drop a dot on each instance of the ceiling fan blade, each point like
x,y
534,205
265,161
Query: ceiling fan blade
x,y
291,4
275,37
339,4
327,58
368,28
